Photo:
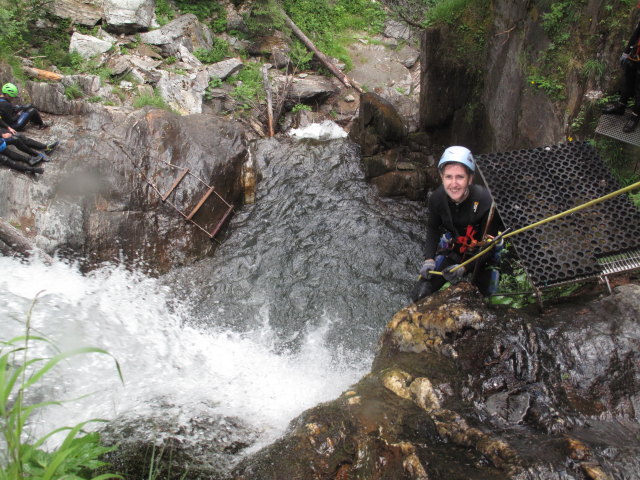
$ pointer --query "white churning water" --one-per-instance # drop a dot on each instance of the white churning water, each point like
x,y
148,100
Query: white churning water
x,y
135,319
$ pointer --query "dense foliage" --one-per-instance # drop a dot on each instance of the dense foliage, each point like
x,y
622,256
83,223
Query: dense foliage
x,y
21,456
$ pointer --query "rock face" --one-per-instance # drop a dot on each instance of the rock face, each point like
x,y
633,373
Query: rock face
x,y
458,391
185,30
388,162
100,196
492,105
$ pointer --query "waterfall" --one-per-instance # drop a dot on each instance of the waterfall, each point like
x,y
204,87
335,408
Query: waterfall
x,y
285,315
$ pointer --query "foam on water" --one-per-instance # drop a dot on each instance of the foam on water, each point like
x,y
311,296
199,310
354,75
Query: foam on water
x,y
327,130
162,356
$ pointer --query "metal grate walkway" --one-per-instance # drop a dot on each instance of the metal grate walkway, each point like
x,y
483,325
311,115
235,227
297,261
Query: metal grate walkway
x,y
531,185
611,126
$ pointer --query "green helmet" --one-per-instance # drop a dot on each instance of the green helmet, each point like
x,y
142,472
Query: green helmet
x,y
10,89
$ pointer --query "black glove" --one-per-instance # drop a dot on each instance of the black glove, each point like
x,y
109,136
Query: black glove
x,y
426,266
455,276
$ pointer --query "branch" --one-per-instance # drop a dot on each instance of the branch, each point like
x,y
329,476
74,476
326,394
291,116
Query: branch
x,y
18,242
321,56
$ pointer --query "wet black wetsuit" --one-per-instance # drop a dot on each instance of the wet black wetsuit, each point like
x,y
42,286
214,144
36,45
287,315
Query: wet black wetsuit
x,y
630,85
451,228
16,161
23,143
17,120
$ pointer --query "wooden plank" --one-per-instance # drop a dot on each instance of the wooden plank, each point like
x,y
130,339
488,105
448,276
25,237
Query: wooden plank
x,y
175,184
221,222
202,200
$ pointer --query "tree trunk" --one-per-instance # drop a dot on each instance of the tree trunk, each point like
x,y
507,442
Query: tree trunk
x,y
17,242
321,56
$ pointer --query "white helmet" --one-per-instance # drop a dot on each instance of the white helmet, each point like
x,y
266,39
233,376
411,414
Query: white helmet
x,y
458,155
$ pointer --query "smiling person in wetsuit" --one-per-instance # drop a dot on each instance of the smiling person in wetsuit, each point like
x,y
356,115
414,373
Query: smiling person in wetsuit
x,y
458,216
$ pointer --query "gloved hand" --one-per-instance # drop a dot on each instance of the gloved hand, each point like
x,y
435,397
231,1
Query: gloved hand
x,y
453,277
426,266
623,59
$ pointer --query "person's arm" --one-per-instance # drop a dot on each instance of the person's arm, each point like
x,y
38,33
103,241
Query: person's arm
x,y
633,41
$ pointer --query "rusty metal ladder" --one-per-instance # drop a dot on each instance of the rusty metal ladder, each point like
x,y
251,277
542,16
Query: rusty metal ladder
x,y
189,217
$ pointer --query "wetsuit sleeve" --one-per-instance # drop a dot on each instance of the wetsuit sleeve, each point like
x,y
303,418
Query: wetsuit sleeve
x,y
633,41
433,227
6,114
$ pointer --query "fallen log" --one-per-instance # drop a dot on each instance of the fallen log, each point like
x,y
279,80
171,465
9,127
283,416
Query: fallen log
x,y
267,89
43,74
18,243
321,56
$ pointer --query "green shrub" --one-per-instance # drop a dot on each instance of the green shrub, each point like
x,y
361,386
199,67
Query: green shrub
x,y
300,55
79,453
155,101
249,89
218,52
207,11
73,91
299,107
328,23
164,12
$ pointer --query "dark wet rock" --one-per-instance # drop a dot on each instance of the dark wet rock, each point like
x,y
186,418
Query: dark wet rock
x,y
379,126
387,159
461,391
176,445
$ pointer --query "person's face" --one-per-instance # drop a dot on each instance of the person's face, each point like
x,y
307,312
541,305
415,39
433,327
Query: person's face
x,y
456,181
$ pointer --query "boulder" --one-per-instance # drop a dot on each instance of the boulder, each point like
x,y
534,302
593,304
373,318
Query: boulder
x,y
185,30
224,68
129,16
83,12
399,31
188,60
183,93
309,89
379,125
88,46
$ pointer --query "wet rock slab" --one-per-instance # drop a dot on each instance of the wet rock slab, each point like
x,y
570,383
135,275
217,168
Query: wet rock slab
x,y
461,391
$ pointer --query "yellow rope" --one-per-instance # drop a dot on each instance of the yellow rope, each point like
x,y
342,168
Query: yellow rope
x,y
546,220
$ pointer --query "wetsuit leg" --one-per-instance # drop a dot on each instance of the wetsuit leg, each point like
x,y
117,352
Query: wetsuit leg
x,y
487,281
30,115
15,156
21,145
31,143
21,167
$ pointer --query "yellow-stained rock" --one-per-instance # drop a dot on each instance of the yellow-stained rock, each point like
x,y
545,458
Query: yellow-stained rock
x,y
424,395
397,381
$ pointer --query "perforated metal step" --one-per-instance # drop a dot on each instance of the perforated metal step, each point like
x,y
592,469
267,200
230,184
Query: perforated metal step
x,y
531,185
611,126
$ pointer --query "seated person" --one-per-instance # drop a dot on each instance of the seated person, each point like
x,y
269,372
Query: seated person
x,y
458,215
16,161
15,118
27,145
